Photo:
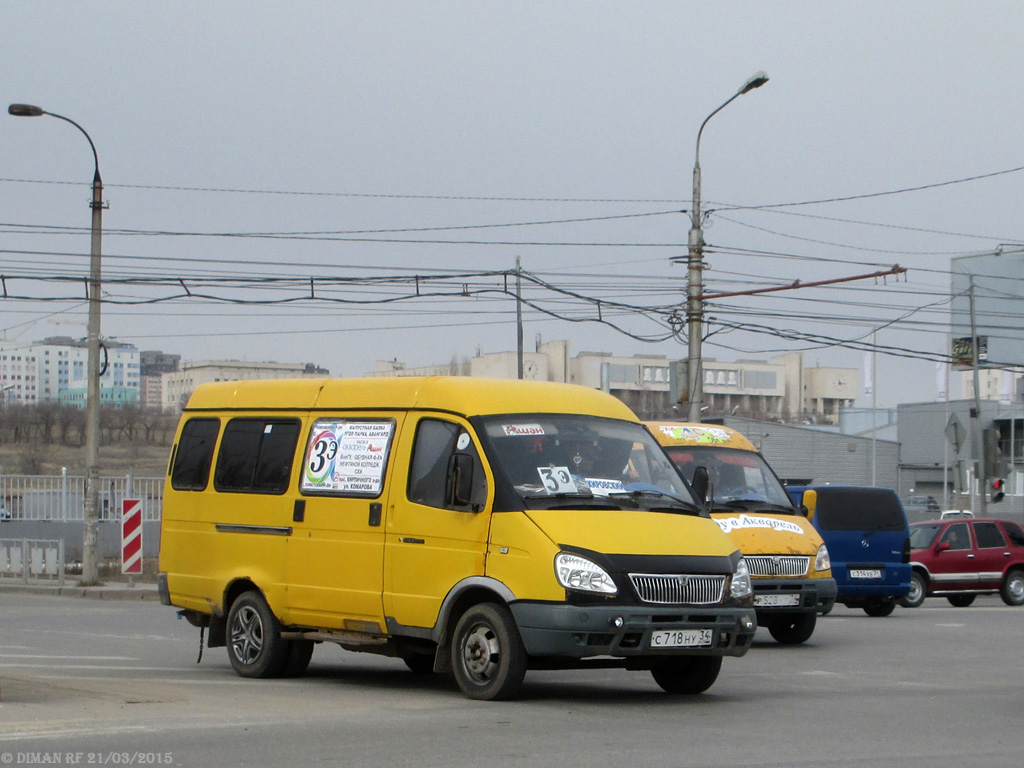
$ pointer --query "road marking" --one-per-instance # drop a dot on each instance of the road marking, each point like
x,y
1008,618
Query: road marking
x,y
48,656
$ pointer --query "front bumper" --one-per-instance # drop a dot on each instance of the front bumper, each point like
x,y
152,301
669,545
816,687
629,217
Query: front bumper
x,y
557,629
775,596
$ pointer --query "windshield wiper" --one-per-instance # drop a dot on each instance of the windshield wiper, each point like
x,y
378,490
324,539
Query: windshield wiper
x,y
760,505
647,493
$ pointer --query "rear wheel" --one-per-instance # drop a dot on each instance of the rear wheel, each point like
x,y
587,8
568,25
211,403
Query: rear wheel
x,y
918,589
960,601
255,647
880,607
793,628
687,674
1012,590
488,656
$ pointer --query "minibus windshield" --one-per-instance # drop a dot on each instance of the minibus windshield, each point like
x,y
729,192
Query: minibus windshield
x,y
737,478
579,460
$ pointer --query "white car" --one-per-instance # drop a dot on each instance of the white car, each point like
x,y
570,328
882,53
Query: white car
x,y
951,514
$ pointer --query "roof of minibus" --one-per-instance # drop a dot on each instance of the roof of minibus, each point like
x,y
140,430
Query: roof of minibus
x,y
679,433
465,395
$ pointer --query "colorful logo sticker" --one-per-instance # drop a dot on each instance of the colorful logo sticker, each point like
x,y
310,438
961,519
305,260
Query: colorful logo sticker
x,y
323,449
701,435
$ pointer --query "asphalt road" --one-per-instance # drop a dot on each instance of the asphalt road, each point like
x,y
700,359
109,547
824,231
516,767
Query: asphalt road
x,y
117,683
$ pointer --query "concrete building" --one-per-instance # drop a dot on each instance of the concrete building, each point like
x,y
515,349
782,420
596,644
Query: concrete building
x,y
780,388
18,375
54,369
178,385
153,365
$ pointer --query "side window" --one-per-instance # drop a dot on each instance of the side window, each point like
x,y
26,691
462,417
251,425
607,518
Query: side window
x,y
194,454
957,536
1015,533
433,457
989,536
256,455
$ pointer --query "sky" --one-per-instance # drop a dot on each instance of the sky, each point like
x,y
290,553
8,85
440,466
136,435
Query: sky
x,y
345,182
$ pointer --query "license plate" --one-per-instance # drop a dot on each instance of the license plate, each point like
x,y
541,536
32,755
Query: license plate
x,y
865,573
681,638
772,600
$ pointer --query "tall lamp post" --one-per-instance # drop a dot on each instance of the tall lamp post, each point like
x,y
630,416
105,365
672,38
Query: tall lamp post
x,y
695,268
90,572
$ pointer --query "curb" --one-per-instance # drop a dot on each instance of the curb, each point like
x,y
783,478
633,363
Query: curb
x,y
139,592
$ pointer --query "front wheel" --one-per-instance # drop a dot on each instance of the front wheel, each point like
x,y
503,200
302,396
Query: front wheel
x,y
687,674
793,628
255,646
918,589
488,657
1012,590
882,607
960,601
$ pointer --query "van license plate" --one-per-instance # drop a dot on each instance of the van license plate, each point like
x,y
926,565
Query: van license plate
x,y
865,573
772,600
681,638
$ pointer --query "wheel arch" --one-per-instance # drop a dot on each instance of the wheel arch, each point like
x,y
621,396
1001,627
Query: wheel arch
x,y
467,593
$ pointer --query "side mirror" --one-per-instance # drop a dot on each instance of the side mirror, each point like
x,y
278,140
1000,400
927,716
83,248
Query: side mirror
x,y
701,481
809,504
460,480
943,546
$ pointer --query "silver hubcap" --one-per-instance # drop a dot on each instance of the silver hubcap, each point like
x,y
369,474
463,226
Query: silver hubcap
x,y
247,635
481,653
1016,587
915,591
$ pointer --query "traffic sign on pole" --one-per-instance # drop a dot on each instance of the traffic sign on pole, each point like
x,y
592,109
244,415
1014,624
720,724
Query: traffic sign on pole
x,y
131,536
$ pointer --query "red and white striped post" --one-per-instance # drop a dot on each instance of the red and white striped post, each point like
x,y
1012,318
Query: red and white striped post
x,y
131,537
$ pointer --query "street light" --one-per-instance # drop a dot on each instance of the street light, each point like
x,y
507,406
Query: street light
x,y
695,267
90,572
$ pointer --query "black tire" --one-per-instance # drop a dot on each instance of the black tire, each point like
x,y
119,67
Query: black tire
x,y
297,661
419,663
687,674
793,628
488,657
1012,590
880,607
918,590
254,642
960,601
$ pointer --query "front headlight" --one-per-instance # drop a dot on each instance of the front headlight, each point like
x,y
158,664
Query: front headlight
x,y
575,572
822,562
741,586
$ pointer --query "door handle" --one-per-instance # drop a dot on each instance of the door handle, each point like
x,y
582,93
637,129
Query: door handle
x,y
970,557
375,513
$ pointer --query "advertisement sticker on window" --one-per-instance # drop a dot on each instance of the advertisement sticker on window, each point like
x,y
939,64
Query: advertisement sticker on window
x,y
347,456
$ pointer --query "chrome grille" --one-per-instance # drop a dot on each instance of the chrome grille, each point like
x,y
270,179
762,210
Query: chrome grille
x,y
678,589
777,565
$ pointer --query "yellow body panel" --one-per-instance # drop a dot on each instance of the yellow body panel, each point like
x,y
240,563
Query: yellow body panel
x,y
620,532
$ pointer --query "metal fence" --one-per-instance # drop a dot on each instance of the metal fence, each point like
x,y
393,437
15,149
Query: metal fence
x,y
61,498
32,560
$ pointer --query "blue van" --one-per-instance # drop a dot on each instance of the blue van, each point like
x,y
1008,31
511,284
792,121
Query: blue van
x,y
868,539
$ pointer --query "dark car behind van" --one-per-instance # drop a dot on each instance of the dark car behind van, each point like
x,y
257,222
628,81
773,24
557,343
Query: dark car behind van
x,y
868,539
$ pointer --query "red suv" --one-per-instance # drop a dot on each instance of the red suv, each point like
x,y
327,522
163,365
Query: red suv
x,y
959,559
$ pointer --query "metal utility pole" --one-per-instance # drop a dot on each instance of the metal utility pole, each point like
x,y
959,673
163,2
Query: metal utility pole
x,y
90,570
976,442
695,267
